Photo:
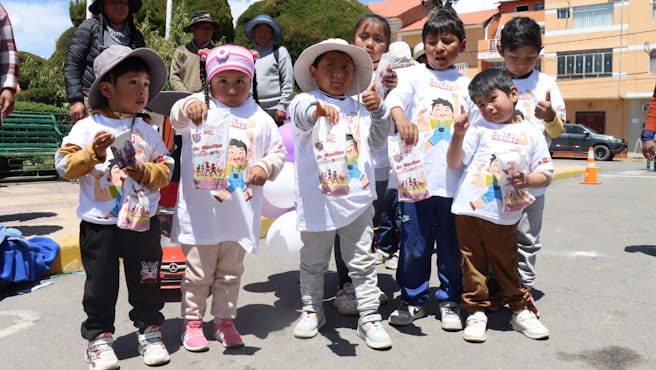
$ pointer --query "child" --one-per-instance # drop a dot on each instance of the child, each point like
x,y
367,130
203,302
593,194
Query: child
x,y
542,105
126,80
514,157
429,221
331,72
215,228
372,34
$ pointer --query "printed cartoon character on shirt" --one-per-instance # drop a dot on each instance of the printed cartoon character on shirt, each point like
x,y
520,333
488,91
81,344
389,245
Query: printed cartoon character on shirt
x,y
238,158
490,179
108,185
352,156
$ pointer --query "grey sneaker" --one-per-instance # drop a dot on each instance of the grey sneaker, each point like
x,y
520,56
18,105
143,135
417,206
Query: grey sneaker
x,y
406,314
308,324
345,300
371,330
450,316
527,323
100,354
392,263
152,348
475,328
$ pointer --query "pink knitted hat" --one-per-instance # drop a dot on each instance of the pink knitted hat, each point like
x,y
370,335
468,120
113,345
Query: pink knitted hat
x,y
229,57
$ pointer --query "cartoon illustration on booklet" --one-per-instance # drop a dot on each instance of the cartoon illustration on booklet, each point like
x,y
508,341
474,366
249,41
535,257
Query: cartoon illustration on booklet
x,y
209,151
330,153
408,167
123,149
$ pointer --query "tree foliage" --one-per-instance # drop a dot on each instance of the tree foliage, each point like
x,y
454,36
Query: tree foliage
x,y
305,22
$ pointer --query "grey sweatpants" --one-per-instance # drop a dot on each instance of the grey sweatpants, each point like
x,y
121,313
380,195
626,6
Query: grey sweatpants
x,y
355,239
528,240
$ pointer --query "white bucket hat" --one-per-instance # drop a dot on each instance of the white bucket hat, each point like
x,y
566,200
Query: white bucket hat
x,y
114,55
363,66
418,51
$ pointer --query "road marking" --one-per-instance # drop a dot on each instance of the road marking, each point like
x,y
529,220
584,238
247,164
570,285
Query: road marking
x,y
27,319
631,174
575,254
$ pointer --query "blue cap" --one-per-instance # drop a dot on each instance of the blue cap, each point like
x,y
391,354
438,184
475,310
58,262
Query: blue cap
x,y
259,20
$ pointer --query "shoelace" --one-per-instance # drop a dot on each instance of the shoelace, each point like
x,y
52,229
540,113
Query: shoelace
x,y
99,346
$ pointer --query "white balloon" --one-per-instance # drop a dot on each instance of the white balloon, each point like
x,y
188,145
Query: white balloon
x,y
281,193
283,240
271,211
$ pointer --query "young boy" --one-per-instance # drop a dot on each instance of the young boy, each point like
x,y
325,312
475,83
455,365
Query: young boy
x,y
543,106
501,158
126,80
331,198
429,221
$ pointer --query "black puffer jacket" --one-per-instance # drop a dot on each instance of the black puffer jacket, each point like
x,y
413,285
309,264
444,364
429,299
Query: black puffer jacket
x,y
86,44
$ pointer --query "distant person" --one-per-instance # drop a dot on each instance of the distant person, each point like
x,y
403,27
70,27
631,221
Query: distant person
x,y
487,206
647,136
126,81
273,85
8,64
185,66
111,24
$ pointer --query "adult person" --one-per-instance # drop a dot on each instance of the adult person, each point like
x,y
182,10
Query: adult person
x,y
648,146
112,24
185,67
8,64
273,85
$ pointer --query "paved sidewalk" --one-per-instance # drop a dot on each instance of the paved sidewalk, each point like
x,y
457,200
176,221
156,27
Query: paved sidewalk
x,y
47,208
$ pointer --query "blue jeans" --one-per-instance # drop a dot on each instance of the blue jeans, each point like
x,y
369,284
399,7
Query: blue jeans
x,y
386,230
423,224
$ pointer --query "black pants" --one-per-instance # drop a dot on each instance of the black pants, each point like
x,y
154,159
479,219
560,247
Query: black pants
x,y
101,246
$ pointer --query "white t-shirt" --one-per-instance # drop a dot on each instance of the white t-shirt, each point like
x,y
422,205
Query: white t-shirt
x,y
533,89
480,188
444,93
199,218
99,189
315,210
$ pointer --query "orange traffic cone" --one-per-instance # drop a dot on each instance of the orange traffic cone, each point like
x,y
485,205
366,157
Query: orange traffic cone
x,y
590,170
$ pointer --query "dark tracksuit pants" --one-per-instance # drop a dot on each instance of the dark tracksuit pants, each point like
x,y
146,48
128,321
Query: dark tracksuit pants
x,y
101,246
423,224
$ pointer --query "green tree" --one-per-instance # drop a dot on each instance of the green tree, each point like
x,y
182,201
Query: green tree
x,y
305,22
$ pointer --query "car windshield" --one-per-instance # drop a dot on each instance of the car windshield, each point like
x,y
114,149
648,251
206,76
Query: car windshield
x,y
589,129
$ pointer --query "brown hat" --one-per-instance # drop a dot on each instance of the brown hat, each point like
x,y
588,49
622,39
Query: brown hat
x,y
96,7
200,16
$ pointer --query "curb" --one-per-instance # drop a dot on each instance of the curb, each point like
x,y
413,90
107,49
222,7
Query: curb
x,y
68,260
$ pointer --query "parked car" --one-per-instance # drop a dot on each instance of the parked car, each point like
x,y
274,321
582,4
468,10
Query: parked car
x,y
577,138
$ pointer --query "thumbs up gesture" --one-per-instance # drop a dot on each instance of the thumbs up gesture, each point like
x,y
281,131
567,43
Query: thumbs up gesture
x,y
544,110
370,98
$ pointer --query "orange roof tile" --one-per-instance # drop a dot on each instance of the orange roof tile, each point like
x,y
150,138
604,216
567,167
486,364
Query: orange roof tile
x,y
392,8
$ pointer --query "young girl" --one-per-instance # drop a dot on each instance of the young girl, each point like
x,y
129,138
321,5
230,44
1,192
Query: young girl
x,y
216,227
327,122
372,34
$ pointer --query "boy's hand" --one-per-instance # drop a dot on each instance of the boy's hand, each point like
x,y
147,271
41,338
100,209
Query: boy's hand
x,y
407,131
221,195
544,110
461,123
197,112
370,98
649,149
390,79
136,172
326,110
519,180
101,141
256,176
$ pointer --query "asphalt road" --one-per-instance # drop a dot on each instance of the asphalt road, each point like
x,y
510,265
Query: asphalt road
x,y
596,293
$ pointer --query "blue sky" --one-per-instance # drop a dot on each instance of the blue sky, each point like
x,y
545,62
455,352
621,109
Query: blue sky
x,y
38,23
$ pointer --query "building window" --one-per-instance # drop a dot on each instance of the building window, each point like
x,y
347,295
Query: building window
x,y
521,8
593,15
563,13
462,68
653,9
538,6
585,64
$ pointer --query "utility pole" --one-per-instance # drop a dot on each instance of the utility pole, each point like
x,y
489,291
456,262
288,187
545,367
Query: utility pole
x,y
169,7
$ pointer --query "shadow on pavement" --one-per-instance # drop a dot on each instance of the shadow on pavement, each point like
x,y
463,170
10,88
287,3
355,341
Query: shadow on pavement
x,y
649,250
26,216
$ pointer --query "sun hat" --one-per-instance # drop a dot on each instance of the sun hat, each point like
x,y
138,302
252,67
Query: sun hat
x,y
200,16
363,67
114,55
418,51
229,57
259,20
96,7
399,54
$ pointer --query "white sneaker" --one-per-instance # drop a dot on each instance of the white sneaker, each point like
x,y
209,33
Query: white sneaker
x,y
100,354
475,328
392,263
371,330
152,348
345,300
380,256
406,314
308,324
527,323
450,316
